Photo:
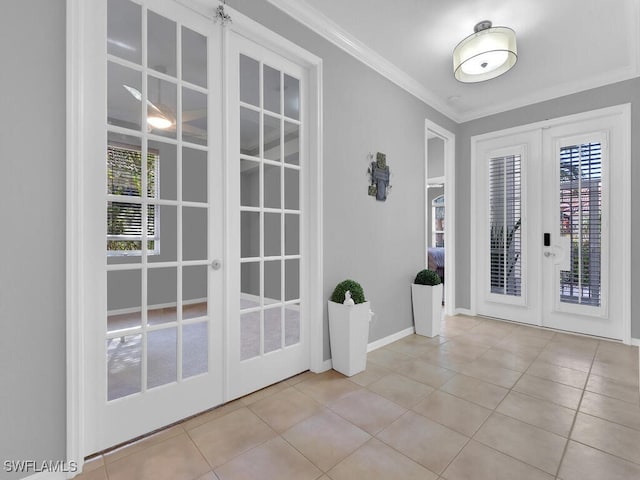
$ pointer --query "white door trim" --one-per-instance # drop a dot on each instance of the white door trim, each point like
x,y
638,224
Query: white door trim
x,y
74,229
450,209
82,70
624,112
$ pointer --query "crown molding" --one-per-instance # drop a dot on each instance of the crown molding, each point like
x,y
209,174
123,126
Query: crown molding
x,y
632,70
323,26
552,93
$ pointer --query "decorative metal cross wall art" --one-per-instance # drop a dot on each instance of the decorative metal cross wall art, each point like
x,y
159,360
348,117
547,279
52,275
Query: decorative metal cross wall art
x,y
379,175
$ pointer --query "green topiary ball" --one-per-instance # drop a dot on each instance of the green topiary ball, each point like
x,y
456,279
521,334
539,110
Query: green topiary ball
x,y
354,287
427,277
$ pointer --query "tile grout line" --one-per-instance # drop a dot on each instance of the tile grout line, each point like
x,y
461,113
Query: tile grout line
x,y
438,389
238,455
375,435
398,451
575,417
324,472
325,406
601,418
495,411
198,448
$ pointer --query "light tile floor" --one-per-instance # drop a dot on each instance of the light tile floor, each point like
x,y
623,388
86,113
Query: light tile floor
x,y
485,400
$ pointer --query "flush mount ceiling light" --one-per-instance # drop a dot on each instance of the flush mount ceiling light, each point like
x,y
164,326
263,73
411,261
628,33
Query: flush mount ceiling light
x,y
487,53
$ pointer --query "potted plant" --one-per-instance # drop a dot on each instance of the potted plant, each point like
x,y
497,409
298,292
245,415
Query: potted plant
x,y
349,328
426,296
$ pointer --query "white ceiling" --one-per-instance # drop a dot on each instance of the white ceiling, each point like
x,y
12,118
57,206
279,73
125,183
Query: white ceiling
x,y
564,46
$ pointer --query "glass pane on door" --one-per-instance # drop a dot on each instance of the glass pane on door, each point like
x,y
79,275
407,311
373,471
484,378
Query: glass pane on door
x,y
505,240
157,244
581,222
270,209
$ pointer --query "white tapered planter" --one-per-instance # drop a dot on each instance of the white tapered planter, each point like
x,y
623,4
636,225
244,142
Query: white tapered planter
x,y
427,308
349,336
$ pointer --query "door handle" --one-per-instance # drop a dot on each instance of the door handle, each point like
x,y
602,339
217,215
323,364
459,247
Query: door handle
x,y
216,264
549,254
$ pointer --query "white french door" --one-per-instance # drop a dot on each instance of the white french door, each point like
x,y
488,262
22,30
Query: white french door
x,y
507,253
155,338
550,237
194,193
266,171
585,207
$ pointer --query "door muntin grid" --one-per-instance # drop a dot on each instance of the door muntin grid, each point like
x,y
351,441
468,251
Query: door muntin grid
x,y
157,296
270,209
580,213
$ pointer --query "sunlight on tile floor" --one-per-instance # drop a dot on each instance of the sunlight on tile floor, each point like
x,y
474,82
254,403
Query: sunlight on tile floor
x,y
485,400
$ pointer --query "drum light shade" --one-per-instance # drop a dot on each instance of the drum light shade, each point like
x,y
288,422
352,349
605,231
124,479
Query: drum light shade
x,y
486,54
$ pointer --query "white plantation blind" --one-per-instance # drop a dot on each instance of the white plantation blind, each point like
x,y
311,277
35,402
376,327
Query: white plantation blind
x,y
581,220
124,219
505,242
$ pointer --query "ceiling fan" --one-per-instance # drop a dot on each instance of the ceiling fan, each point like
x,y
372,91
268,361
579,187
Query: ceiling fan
x,y
161,117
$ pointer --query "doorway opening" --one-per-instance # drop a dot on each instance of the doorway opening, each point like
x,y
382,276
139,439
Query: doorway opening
x,y
150,270
440,208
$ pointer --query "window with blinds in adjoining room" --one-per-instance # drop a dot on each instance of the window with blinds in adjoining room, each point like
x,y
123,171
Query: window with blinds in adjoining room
x,y
127,210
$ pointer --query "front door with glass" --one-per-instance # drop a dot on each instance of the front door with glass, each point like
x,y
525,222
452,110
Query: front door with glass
x,y
583,263
507,218
551,239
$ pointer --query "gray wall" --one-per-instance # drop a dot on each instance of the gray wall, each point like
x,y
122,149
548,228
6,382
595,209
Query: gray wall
x,y
32,215
614,94
435,168
435,157
379,244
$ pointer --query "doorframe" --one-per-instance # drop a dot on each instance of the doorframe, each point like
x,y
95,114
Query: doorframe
x,y
81,73
449,140
624,113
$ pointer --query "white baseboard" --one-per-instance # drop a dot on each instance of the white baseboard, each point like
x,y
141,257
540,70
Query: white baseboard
x,y
390,339
464,311
326,365
635,342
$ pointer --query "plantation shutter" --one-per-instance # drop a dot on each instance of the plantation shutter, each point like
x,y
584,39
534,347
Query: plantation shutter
x,y
581,220
505,241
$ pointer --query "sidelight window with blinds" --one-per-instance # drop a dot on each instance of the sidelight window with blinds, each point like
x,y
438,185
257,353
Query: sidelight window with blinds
x,y
505,242
581,221
125,218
